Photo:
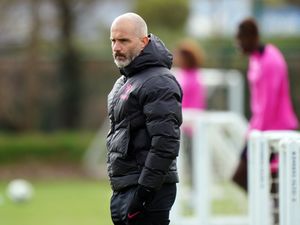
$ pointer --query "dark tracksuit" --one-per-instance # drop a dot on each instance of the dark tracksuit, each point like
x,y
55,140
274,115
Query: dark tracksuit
x,y
144,109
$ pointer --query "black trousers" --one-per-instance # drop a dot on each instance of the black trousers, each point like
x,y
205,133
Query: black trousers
x,y
156,213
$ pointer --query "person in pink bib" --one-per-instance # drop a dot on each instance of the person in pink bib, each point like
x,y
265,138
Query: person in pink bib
x,y
188,58
270,100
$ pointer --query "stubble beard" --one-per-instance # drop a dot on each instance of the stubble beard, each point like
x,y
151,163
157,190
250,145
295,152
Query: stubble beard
x,y
126,61
122,63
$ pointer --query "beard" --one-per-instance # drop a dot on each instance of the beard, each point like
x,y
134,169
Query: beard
x,y
123,60
121,63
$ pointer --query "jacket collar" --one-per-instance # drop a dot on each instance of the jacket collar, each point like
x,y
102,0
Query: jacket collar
x,y
154,54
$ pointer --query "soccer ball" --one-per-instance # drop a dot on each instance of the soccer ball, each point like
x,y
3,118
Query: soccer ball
x,y
19,190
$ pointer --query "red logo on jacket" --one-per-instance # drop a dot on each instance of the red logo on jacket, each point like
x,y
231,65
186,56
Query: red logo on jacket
x,y
126,92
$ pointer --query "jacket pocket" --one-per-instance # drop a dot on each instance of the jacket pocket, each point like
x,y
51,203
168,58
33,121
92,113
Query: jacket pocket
x,y
119,141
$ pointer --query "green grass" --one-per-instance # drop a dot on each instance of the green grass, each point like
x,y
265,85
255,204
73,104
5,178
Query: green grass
x,y
72,202
69,146
231,201
86,202
226,200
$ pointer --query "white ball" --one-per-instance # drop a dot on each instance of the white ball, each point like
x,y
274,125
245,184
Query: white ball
x,y
19,190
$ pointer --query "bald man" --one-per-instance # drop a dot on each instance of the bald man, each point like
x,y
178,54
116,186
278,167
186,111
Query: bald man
x,y
144,109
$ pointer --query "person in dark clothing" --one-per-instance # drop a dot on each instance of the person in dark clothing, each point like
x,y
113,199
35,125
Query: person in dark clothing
x,y
144,109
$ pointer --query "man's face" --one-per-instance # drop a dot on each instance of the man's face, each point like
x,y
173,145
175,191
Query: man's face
x,y
125,43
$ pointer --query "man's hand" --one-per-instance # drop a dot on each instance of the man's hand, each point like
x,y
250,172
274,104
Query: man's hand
x,y
141,198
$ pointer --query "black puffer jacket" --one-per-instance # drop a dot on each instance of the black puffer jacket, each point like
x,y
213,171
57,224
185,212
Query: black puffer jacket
x,y
144,108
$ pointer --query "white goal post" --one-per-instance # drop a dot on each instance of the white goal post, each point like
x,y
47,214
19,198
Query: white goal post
x,y
283,207
231,81
207,134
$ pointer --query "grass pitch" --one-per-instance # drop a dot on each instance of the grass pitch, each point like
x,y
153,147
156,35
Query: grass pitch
x,y
71,202
86,202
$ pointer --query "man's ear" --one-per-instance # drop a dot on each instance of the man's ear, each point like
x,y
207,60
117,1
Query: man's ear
x,y
145,41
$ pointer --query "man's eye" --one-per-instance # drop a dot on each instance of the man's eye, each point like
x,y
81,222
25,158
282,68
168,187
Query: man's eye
x,y
124,40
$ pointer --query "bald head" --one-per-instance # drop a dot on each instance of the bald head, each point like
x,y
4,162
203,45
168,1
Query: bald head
x,y
129,36
133,22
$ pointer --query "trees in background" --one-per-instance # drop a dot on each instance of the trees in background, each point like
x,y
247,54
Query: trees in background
x,y
19,109
23,111
69,66
46,84
169,14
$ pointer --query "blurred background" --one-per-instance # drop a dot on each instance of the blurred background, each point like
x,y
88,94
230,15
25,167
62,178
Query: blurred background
x,y
56,70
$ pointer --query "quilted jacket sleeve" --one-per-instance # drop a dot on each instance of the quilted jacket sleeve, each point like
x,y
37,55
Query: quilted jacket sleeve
x,y
161,99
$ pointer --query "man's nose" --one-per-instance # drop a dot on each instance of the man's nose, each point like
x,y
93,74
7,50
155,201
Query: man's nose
x,y
116,47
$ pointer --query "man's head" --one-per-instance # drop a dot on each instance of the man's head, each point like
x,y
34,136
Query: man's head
x,y
129,36
248,36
